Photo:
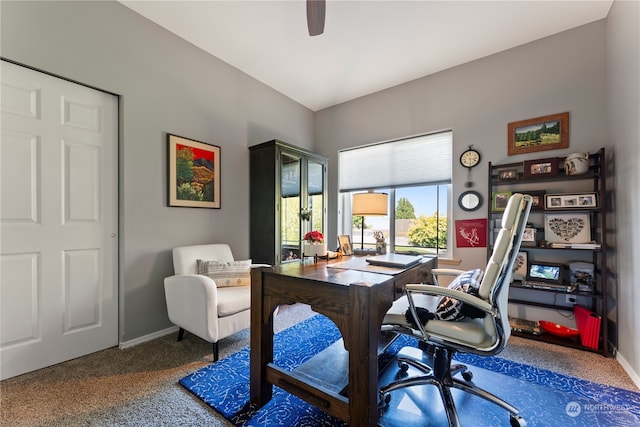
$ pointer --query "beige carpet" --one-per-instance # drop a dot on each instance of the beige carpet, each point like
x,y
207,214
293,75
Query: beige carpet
x,y
138,386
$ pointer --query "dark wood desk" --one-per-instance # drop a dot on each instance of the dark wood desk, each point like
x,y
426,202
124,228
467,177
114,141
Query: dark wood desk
x,y
356,301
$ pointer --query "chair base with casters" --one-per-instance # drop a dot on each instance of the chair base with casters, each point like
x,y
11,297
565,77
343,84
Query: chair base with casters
x,y
469,316
439,372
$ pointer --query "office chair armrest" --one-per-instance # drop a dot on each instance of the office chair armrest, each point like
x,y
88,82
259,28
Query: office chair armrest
x,y
446,272
450,272
446,292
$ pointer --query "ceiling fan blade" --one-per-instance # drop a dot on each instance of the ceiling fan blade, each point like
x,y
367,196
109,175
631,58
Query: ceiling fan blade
x,y
315,16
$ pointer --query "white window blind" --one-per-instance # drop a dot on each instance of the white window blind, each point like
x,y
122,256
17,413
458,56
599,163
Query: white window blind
x,y
419,160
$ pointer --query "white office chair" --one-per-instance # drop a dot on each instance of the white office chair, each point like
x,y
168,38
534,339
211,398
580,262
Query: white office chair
x,y
484,334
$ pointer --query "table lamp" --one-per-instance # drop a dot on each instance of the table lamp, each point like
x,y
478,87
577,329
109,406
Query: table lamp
x,y
369,204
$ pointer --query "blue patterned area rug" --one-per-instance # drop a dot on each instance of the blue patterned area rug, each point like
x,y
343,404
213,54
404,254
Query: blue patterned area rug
x,y
544,398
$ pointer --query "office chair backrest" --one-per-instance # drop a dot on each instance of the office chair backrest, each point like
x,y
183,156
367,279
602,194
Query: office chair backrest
x,y
497,276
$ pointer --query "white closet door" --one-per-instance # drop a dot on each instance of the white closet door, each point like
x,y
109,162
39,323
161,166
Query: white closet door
x,y
58,218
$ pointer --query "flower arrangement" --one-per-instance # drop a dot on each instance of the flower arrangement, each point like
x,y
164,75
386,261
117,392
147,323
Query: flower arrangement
x,y
314,237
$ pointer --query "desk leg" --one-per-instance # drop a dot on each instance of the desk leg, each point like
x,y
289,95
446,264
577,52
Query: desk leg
x,y
261,342
364,333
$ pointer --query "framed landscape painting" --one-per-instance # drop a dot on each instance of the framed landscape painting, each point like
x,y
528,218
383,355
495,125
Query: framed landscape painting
x,y
539,134
194,173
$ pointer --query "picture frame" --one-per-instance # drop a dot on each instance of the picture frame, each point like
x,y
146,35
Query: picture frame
x,y
571,201
471,233
529,236
344,242
507,174
538,134
539,200
500,200
520,266
567,228
193,173
540,168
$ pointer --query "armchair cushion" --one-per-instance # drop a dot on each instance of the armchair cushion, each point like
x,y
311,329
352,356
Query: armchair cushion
x,y
232,300
233,273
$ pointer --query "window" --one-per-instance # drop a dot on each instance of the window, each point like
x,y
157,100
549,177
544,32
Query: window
x,y
416,174
418,224
421,221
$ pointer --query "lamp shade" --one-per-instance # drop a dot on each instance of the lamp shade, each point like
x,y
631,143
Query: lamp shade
x,y
369,204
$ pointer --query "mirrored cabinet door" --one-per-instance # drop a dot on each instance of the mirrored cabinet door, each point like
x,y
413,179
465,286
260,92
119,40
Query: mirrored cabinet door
x,y
315,196
290,206
288,198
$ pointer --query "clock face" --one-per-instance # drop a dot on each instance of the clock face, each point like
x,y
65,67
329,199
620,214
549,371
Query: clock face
x,y
470,158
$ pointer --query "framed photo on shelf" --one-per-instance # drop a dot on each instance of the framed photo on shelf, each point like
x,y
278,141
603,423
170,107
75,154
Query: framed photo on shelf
x,y
520,266
571,201
567,228
194,173
345,244
529,237
500,200
541,168
538,134
507,174
538,200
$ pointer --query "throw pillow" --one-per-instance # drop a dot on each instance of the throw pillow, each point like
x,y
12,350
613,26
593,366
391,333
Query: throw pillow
x,y
235,273
452,309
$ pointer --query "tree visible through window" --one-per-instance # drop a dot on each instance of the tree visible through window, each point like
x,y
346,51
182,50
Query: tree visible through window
x,y
404,209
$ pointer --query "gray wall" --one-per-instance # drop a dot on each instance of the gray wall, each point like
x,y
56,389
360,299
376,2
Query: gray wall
x,y
591,71
623,108
166,85
477,100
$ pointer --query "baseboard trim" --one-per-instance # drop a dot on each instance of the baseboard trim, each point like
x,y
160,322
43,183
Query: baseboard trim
x,y
149,337
628,369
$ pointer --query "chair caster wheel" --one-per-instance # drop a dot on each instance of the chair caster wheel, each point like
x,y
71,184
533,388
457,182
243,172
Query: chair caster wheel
x,y
385,398
404,367
468,376
517,421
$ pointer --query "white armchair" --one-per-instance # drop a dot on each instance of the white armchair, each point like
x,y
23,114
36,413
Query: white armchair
x,y
196,304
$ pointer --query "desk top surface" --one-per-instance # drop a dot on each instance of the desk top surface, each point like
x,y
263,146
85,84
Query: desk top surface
x,y
343,271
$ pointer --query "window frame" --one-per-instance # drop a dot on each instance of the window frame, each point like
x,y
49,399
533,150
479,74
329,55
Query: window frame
x,y
347,220
444,143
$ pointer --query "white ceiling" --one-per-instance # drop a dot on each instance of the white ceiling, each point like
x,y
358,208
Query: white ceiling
x,y
367,45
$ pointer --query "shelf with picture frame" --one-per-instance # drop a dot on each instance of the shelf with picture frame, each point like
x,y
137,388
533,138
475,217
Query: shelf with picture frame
x,y
567,225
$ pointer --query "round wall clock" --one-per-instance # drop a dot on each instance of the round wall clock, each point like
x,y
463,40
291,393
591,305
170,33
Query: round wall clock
x,y
470,157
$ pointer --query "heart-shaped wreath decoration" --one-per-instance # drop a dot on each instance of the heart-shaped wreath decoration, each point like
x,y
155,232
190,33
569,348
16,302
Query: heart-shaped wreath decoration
x,y
566,229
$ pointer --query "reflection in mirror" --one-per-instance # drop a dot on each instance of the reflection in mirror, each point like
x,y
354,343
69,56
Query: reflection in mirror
x,y
470,200
290,204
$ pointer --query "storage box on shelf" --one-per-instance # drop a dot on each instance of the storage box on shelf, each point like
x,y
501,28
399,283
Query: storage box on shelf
x,y
567,229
